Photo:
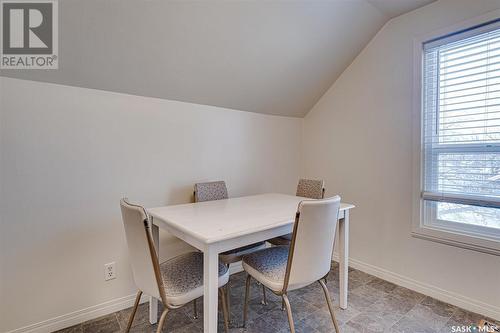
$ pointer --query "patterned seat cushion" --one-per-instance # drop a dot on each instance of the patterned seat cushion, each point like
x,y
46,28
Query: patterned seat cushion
x,y
183,277
268,266
210,191
309,188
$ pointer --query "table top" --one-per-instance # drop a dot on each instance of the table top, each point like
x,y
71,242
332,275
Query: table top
x,y
214,221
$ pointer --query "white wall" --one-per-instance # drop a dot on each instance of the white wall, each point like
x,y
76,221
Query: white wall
x,y
358,138
69,154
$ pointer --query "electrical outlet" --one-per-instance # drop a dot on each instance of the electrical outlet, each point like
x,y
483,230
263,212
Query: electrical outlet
x,y
109,271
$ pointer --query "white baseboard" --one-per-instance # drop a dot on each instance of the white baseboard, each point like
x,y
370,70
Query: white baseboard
x,y
92,312
464,302
80,316
118,304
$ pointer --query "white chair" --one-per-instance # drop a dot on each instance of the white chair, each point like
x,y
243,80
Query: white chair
x,y
307,188
307,260
175,282
217,190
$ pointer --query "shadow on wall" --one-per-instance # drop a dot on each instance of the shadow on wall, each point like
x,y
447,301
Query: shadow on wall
x,y
179,195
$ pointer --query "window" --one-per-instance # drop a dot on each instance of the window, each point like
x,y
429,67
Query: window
x,y
460,133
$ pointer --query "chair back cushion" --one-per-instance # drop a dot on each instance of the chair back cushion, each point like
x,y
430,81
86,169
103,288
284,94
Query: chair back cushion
x,y
136,231
309,188
312,242
210,191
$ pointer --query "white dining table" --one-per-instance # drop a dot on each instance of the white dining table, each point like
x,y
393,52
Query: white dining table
x,y
218,226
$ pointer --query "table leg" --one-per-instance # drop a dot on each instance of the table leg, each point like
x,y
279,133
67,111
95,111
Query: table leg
x,y
211,295
344,259
153,302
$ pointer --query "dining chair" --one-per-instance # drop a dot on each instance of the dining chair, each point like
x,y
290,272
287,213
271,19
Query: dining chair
x,y
307,188
217,190
175,282
307,260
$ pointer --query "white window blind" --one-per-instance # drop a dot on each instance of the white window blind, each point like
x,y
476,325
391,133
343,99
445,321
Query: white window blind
x,y
461,125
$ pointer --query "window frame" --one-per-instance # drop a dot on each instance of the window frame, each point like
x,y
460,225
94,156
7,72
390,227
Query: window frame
x,y
457,234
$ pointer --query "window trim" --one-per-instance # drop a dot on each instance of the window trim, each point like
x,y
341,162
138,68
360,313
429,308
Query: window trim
x,y
482,242
456,227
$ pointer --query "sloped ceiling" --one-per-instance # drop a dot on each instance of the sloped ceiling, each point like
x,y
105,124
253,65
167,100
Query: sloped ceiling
x,y
274,57
393,8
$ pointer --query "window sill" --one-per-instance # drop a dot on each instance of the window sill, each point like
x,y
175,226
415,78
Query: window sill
x,y
458,239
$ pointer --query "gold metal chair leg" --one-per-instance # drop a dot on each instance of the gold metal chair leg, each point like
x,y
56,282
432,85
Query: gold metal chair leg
x,y
289,313
245,306
264,298
224,309
162,320
134,310
330,305
195,309
228,300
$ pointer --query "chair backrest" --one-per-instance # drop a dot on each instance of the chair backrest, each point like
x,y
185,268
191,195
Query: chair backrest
x,y
310,188
142,253
312,242
210,191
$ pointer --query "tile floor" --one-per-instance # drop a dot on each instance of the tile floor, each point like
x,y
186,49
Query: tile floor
x,y
375,305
